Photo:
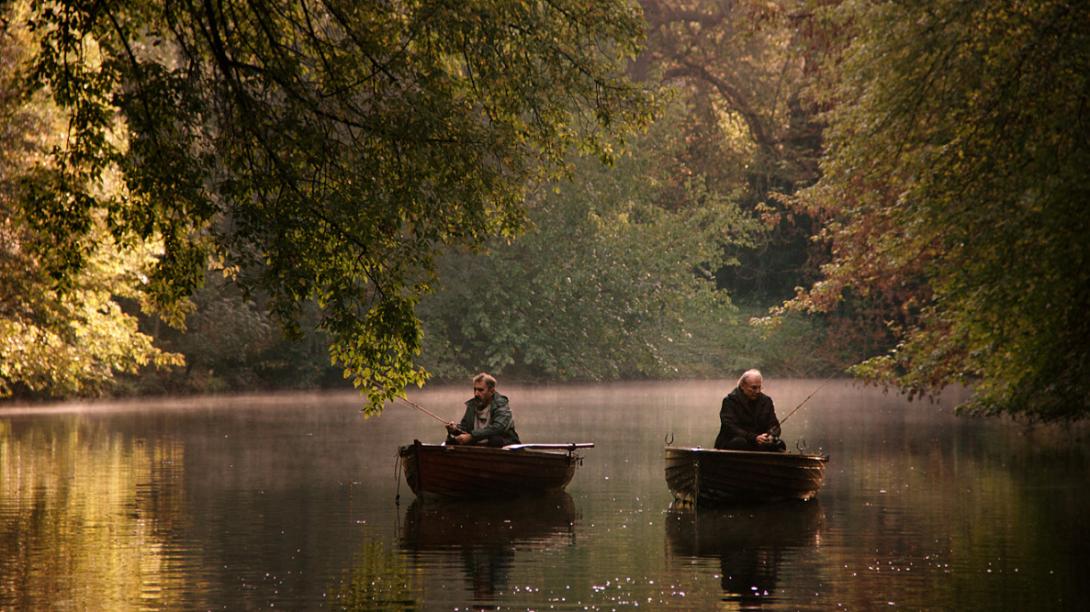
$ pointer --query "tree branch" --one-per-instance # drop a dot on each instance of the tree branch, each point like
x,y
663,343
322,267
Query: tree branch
x,y
737,100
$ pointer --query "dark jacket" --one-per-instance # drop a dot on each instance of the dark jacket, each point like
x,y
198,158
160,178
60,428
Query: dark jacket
x,y
500,430
741,417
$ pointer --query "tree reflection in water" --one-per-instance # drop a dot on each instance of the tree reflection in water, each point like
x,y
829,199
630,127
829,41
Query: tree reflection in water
x,y
379,580
749,542
88,516
486,534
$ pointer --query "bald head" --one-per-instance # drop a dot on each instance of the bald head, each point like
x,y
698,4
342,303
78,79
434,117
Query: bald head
x,y
750,376
750,383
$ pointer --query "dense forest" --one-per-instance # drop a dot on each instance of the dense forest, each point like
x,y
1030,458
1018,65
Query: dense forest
x,y
271,194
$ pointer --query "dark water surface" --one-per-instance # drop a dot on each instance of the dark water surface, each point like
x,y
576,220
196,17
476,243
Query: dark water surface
x,y
291,502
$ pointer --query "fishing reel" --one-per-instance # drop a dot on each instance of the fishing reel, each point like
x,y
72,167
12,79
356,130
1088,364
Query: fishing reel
x,y
777,443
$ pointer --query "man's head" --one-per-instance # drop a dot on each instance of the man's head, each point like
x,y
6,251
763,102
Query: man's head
x,y
750,383
484,387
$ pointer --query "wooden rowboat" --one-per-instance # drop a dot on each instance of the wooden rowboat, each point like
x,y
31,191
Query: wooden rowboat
x,y
710,476
479,471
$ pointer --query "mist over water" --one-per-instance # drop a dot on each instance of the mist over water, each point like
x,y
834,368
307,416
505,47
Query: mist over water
x,y
293,501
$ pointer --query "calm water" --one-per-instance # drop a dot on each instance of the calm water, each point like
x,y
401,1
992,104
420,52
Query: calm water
x,y
292,502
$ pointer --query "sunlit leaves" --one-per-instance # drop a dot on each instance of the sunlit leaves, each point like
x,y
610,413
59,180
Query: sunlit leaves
x,y
75,342
62,328
325,149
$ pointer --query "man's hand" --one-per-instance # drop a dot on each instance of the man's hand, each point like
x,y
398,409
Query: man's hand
x,y
764,439
452,428
463,438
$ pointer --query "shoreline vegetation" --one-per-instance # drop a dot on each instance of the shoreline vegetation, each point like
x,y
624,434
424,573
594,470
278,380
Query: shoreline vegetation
x,y
226,355
199,199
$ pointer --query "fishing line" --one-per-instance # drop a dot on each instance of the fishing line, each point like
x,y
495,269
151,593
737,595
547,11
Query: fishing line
x,y
827,381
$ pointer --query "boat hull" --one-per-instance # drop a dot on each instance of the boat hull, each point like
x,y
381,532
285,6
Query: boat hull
x,y
475,471
710,476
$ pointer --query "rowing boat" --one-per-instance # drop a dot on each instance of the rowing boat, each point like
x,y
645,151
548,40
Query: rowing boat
x,y
712,476
478,471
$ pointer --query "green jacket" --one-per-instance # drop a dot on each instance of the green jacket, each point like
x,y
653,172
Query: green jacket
x,y
501,427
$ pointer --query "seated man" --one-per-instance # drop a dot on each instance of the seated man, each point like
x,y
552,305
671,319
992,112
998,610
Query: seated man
x,y
487,419
748,419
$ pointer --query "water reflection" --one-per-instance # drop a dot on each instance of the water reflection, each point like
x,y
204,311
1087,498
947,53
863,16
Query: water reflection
x,y
89,512
379,580
288,503
485,535
749,541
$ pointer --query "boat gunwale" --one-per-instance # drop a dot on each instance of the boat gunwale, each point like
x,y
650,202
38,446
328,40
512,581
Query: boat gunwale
x,y
682,451
407,449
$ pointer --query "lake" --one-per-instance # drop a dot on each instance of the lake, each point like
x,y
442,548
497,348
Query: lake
x,y
293,501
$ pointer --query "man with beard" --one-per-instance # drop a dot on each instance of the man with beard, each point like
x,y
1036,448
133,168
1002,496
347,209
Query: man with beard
x,y
487,420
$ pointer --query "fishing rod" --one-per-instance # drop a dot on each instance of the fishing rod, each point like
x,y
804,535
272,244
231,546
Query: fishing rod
x,y
423,409
776,439
427,412
827,381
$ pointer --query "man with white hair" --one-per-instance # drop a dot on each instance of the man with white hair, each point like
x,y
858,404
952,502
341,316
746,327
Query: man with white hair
x,y
748,419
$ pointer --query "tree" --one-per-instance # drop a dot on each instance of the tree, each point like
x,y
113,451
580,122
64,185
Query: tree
x,y
231,343
743,67
57,342
955,182
614,279
325,148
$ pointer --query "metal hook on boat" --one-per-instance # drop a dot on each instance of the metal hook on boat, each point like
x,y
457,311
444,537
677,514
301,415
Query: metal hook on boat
x,y
669,438
801,445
